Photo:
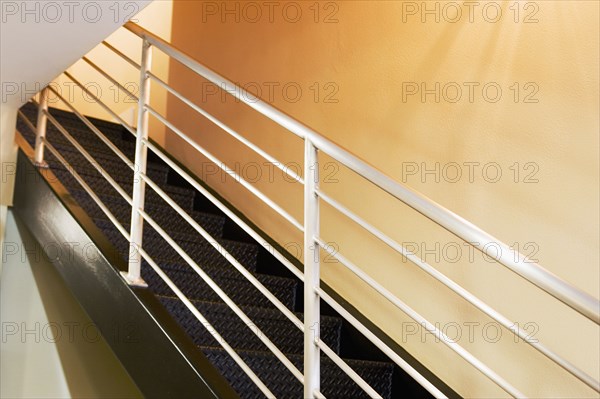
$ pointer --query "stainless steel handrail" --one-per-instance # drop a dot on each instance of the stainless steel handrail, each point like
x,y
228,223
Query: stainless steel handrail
x,y
577,299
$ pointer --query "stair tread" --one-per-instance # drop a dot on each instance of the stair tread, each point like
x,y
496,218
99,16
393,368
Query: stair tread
x,y
334,382
234,284
169,221
200,250
281,331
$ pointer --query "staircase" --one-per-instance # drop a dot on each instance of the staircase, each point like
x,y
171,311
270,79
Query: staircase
x,y
244,311
389,381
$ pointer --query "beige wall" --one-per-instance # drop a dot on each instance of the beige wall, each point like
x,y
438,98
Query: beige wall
x,y
367,59
156,18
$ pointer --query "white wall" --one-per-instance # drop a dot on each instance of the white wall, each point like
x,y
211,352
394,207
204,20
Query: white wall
x,y
48,347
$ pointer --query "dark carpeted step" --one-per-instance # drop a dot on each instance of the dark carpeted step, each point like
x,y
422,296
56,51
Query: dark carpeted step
x,y
93,143
72,123
232,282
271,322
335,384
213,224
200,250
108,194
84,136
117,168
167,218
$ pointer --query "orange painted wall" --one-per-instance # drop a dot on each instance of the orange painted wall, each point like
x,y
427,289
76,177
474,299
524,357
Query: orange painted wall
x,y
525,142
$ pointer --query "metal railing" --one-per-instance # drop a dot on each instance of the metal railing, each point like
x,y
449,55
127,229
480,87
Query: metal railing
x,y
314,144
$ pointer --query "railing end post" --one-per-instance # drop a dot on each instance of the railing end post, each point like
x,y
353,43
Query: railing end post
x,y
133,276
40,134
312,311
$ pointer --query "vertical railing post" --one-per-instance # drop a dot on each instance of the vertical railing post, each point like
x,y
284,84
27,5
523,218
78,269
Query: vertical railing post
x,y
133,276
40,135
312,312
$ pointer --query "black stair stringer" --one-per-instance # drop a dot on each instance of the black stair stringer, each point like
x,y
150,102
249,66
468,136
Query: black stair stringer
x,y
158,355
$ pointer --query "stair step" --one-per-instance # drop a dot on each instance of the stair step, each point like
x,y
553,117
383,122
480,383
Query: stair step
x,y
213,224
73,124
183,197
91,142
271,322
81,165
335,384
84,136
168,219
234,284
112,164
201,251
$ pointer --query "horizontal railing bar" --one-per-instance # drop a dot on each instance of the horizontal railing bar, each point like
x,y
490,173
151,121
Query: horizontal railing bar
x,y
96,131
101,103
579,300
120,54
257,237
89,158
111,79
229,130
461,291
282,212
348,370
459,350
230,258
380,344
87,188
225,298
239,361
27,121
